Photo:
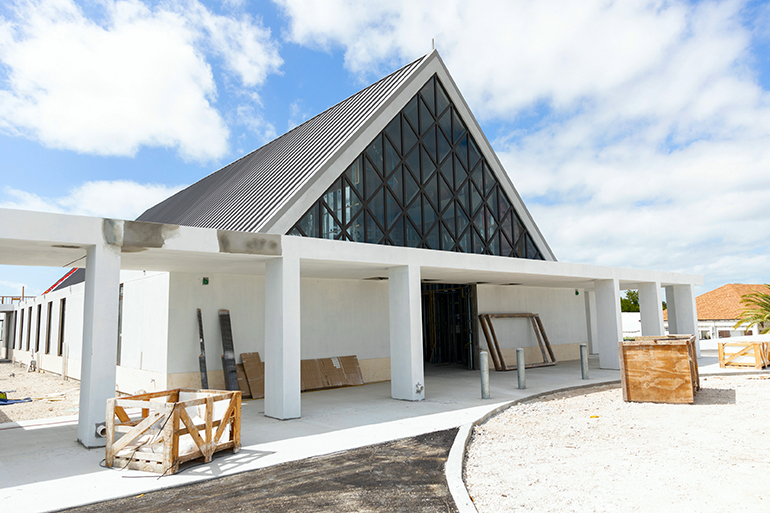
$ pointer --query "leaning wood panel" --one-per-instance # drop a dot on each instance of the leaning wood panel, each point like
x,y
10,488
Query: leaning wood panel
x,y
171,431
658,371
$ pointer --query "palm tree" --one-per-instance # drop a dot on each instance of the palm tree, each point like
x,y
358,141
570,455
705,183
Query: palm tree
x,y
757,310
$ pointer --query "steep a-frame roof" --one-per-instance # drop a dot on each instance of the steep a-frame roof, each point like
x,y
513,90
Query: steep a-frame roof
x,y
268,190
247,193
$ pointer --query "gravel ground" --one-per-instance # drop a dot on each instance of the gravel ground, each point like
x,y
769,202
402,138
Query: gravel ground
x,y
52,396
590,451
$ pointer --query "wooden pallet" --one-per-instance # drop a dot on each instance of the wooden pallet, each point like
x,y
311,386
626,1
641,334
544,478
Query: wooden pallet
x,y
167,432
494,346
659,369
749,354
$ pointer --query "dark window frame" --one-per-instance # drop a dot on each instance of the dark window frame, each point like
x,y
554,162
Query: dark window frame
x,y
478,201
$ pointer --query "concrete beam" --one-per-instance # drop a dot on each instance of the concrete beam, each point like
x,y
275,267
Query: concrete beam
x,y
282,338
100,340
610,325
405,302
651,308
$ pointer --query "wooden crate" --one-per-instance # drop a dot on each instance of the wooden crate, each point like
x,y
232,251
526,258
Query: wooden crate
x,y
659,369
171,427
744,354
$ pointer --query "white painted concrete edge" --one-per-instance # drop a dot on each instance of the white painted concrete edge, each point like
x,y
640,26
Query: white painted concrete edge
x,y
453,468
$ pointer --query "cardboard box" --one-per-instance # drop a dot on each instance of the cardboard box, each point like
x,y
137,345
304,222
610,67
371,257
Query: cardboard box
x,y
332,367
352,370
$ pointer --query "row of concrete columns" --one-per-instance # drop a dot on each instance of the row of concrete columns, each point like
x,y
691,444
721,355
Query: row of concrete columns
x,y
604,322
283,339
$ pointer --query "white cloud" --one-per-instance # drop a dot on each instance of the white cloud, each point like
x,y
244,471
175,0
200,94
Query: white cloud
x,y
297,114
636,131
138,77
120,199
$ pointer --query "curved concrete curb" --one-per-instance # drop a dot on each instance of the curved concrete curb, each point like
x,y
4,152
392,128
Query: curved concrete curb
x,y
453,468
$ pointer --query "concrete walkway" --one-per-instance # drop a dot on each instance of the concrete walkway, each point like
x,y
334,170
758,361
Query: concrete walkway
x,y
43,468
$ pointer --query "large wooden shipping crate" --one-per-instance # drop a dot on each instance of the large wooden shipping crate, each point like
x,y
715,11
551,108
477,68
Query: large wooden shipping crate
x,y
659,369
171,427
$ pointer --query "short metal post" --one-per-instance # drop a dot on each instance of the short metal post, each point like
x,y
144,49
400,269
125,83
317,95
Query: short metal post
x,y
484,362
520,368
584,360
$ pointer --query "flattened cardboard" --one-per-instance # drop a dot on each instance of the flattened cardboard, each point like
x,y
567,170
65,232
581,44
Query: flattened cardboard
x,y
352,370
312,375
255,374
243,383
332,367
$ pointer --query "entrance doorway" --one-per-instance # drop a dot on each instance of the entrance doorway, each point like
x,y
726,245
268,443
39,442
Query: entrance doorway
x,y
449,336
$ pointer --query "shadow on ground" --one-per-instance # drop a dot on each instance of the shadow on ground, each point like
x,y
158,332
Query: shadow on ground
x,y
404,475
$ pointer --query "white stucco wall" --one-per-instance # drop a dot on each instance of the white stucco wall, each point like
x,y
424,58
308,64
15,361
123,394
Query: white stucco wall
x,y
145,320
345,317
339,317
561,310
244,296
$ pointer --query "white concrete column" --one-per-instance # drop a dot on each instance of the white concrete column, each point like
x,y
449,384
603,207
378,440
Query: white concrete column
x,y
609,322
671,309
407,380
591,322
100,340
651,308
282,338
686,312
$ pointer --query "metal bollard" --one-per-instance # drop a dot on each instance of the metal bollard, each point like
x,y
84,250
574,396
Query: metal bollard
x,y
520,368
584,360
484,362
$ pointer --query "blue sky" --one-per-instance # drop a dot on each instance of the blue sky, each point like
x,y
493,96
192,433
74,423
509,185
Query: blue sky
x,y
638,133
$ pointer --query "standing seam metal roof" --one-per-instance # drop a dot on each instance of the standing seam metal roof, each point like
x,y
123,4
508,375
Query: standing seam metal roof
x,y
245,194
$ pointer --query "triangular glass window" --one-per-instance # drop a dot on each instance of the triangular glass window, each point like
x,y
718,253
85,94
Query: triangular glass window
x,y
413,238
395,183
442,100
375,152
428,96
394,132
458,128
410,138
426,118
392,194
410,112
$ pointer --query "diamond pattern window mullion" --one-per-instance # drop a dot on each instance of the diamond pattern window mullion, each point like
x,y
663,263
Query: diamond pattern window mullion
x,y
422,182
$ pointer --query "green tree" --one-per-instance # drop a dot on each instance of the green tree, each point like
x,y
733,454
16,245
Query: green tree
x,y
757,311
630,303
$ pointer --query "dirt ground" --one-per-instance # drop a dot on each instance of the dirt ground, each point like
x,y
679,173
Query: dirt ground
x,y
52,396
585,451
402,476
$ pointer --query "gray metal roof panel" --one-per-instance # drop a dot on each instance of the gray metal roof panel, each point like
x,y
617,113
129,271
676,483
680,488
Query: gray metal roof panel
x,y
245,194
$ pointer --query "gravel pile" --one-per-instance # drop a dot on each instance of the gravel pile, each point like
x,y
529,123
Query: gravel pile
x,y
52,396
590,451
